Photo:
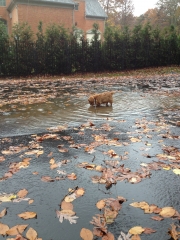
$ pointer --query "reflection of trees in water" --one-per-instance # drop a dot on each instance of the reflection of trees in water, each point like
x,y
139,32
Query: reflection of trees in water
x,y
101,110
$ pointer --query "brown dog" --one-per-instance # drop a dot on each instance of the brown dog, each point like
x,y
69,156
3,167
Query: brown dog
x,y
98,99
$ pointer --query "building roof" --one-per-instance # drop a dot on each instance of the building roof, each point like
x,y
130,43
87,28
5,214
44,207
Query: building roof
x,y
94,9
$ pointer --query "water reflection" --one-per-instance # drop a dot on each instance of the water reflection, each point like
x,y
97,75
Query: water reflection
x,y
18,119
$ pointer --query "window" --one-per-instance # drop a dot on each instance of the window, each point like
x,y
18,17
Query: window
x,y
90,35
2,2
76,7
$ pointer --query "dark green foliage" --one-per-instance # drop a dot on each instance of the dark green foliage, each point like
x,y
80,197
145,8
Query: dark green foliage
x,y
57,51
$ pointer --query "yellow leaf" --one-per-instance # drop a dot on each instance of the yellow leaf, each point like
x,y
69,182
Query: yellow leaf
x,y
167,168
31,234
16,230
167,212
176,171
7,197
86,234
27,215
136,230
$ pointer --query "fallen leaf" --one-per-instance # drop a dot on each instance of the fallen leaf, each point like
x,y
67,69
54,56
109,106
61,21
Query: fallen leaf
x,y
148,231
66,205
72,176
80,192
31,201
16,230
108,236
22,193
167,212
136,230
135,237
157,218
31,234
67,212
176,171
173,233
3,228
100,204
86,234
3,212
27,215
7,197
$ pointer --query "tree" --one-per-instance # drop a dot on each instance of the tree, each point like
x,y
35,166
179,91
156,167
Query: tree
x,y
168,9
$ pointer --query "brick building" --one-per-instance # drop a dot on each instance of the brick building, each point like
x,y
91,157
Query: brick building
x,y
80,13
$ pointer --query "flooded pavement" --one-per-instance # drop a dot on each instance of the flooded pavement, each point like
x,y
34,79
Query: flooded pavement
x,y
41,121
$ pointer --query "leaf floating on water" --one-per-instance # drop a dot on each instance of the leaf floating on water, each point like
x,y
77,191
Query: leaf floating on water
x,y
61,216
16,230
7,197
108,236
157,218
3,229
167,212
3,213
136,230
100,204
66,205
31,234
176,171
22,193
27,215
86,234
173,232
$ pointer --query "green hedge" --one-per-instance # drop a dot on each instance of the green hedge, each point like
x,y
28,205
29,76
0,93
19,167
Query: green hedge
x,y
58,51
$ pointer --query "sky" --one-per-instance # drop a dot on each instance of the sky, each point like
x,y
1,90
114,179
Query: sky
x,y
141,6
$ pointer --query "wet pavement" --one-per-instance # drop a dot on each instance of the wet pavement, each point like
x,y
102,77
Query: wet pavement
x,y
147,110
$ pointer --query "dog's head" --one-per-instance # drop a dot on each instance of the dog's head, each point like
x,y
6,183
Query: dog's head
x,y
91,100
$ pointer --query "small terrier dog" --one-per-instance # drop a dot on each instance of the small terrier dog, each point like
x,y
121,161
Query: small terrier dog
x,y
98,99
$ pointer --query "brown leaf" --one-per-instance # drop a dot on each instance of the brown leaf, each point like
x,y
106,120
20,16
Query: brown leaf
x,y
27,215
97,232
31,234
3,229
86,234
136,237
3,212
47,179
66,205
52,161
16,230
31,201
148,231
108,236
72,176
22,193
173,233
157,218
80,192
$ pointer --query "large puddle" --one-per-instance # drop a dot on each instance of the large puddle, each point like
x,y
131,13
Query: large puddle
x,y
144,111
70,106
